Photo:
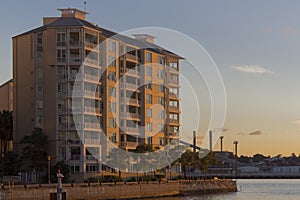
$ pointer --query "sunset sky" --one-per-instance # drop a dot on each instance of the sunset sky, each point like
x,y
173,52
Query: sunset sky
x,y
255,44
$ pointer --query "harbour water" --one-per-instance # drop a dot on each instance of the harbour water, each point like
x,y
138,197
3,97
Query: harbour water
x,y
256,189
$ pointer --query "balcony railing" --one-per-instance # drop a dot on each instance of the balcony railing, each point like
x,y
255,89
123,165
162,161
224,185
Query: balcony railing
x,y
91,93
130,115
75,157
91,77
91,158
91,141
131,57
172,81
75,59
91,61
174,109
129,100
132,72
129,86
91,109
92,125
90,45
173,121
173,95
129,144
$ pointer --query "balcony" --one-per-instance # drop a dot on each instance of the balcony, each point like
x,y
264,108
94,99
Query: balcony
x,y
130,145
89,77
91,61
130,115
75,59
130,129
173,121
75,157
92,141
131,58
89,93
92,125
91,158
173,82
91,109
61,60
72,125
90,45
130,86
174,109
173,96
74,141
130,101
132,72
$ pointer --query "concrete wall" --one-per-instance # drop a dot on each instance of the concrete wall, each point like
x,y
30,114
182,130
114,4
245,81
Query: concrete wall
x,y
121,190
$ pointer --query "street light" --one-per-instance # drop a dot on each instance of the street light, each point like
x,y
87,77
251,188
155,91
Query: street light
x,y
235,143
49,159
221,143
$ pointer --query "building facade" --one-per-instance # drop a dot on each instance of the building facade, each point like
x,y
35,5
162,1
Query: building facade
x,y
6,96
86,86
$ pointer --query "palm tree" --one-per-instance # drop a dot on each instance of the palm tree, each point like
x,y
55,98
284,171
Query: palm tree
x,y
6,131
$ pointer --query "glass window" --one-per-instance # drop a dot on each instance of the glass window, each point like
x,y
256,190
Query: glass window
x,y
111,61
112,91
149,126
112,46
149,139
149,98
39,39
61,55
148,57
112,122
111,76
112,107
149,112
149,85
161,88
161,74
161,60
113,137
61,39
148,71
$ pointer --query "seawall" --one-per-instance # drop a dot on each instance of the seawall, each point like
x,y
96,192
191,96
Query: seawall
x,y
121,190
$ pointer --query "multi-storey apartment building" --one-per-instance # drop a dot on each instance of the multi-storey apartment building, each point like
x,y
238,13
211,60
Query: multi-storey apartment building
x,y
80,82
6,96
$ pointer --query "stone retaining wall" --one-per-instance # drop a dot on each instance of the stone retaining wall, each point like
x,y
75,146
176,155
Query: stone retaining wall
x,y
120,190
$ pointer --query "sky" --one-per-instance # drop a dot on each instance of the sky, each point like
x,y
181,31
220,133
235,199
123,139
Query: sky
x,y
255,45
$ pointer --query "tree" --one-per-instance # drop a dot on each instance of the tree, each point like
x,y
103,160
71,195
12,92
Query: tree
x,y
64,168
6,130
10,164
35,151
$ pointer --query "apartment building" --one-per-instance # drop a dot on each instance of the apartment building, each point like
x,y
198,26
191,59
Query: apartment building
x,y
86,86
6,96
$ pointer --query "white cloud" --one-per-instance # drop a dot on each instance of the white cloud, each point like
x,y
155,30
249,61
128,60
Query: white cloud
x,y
255,69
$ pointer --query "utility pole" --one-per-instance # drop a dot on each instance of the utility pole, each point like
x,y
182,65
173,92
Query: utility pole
x,y
235,143
194,141
210,140
221,143
49,159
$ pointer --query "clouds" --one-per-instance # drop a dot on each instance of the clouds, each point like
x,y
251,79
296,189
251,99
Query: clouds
x,y
252,69
258,132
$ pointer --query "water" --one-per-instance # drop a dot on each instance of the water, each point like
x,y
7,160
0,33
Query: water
x,y
256,189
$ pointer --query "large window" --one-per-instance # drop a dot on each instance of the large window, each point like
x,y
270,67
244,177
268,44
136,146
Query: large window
x,y
149,98
61,39
92,167
61,55
149,112
111,61
148,57
112,122
148,71
112,76
112,107
112,46
112,91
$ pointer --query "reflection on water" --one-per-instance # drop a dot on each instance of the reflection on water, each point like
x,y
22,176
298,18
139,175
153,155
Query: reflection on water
x,y
255,189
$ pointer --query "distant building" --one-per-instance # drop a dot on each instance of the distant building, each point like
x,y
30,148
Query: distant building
x,y
286,170
6,96
46,62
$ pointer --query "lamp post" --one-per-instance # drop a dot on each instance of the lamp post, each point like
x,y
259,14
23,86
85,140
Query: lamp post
x,y
235,143
49,159
221,146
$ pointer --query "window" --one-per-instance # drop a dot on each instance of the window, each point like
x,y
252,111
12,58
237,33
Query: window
x,y
112,46
111,61
161,101
161,127
161,74
61,152
149,85
161,114
173,64
149,112
111,76
91,135
161,141
148,57
112,123
161,88
39,88
39,53
113,137
112,107
173,103
148,71
173,116
149,127
61,39
39,39
92,167
75,168
61,55
149,98
161,60
149,139
112,91
173,90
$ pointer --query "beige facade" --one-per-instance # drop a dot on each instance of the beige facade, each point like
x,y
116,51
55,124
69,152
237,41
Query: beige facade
x,y
120,88
6,96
